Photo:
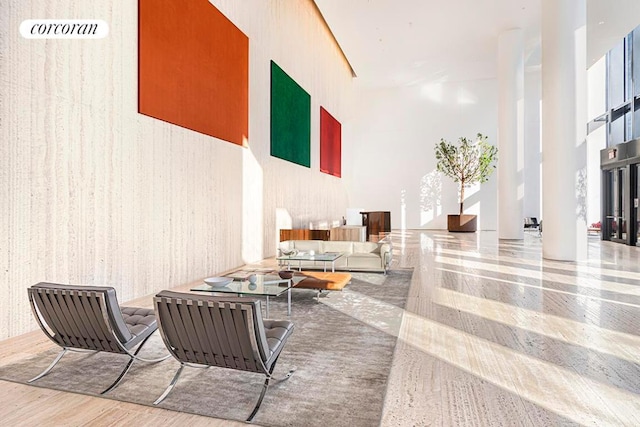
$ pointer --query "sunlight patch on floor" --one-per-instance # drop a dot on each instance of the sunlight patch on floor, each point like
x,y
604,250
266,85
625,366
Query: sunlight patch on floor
x,y
539,287
618,344
378,314
557,389
541,263
541,275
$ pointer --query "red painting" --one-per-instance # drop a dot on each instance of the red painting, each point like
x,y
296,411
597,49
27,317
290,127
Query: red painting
x,y
330,144
193,68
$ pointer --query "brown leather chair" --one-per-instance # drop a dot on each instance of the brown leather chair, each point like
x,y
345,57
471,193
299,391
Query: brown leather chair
x,y
88,318
227,332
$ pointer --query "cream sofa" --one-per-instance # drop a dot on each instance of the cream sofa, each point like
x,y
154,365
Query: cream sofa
x,y
357,256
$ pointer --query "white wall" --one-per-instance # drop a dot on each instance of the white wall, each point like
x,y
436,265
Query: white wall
x,y
391,163
93,192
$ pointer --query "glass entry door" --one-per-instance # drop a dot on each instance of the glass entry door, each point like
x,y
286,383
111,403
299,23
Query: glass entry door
x,y
615,206
636,208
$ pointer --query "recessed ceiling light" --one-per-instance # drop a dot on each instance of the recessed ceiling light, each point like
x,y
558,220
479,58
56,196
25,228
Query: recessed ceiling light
x,y
601,22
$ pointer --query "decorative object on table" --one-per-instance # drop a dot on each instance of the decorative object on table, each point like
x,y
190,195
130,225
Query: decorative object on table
x,y
252,278
467,163
289,252
218,282
285,274
243,274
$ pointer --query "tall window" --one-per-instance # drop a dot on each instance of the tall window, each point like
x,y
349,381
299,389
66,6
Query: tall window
x,y
623,90
615,75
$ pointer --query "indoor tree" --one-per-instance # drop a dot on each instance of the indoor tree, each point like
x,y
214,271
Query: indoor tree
x,y
467,163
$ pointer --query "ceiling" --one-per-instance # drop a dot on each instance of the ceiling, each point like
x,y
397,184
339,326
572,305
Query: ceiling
x,y
406,42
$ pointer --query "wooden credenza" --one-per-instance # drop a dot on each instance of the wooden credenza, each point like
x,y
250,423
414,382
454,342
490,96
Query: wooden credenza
x,y
376,222
352,233
303,234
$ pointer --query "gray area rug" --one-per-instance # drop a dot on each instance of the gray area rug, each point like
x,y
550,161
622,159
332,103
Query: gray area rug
x,y
342,365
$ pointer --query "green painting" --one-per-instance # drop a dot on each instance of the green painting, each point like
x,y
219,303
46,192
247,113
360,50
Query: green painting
x,y
290,119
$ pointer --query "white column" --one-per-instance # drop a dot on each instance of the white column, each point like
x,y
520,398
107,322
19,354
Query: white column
x,y
510,134
564,118
532,152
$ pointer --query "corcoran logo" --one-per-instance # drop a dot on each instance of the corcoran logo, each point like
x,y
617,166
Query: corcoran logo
x,y
64,29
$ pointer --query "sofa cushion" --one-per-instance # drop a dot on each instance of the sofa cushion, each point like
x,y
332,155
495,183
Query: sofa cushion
x,y
364,260
335,246
366,247
340,263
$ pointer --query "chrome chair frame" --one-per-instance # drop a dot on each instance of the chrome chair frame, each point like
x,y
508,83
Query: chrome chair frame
x,y
184,323
99,334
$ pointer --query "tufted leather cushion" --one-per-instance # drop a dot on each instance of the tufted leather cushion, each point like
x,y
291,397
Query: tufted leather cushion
x,y
141,322
277,332
238,321
131,325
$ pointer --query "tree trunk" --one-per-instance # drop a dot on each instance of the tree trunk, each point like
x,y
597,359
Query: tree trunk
x,y
461,197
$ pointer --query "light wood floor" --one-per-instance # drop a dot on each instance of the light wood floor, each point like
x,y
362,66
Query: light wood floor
x,y
492,335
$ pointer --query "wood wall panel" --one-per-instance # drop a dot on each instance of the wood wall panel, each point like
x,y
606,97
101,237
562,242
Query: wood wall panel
x,y
377,222
303,234
351,233
95,193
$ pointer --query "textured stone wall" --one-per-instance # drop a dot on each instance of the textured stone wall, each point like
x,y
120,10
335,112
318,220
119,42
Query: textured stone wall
x,y
92,192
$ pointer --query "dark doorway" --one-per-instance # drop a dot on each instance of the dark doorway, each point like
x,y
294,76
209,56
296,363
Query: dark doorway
x,y
636,208
620,213
615,221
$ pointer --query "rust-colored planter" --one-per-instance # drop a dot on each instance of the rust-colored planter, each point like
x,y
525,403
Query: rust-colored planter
x,y
462,223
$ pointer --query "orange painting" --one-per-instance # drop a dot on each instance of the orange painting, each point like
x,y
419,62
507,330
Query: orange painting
x,y
193,68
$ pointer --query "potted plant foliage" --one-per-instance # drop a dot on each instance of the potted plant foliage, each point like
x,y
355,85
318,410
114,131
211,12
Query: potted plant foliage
x,y
467,163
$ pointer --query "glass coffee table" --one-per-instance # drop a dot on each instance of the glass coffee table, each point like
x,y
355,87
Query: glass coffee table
x,y
325,257
266,285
